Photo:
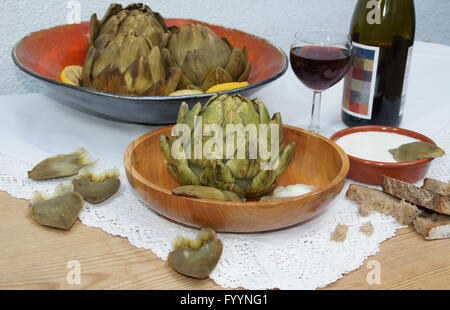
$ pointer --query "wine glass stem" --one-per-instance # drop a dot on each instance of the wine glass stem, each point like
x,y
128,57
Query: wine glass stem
x,y
315,112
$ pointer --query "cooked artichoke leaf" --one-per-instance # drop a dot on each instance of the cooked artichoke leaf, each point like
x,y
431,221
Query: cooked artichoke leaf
x,y
60,210
216,76
183,174
95,188
415,151
236,64
205,192
196,258
60,166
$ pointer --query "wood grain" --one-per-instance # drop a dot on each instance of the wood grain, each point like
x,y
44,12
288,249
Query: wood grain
x,y
326,172
35,257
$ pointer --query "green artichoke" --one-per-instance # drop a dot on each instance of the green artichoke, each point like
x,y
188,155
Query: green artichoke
x,y
127,52
242,176
205,59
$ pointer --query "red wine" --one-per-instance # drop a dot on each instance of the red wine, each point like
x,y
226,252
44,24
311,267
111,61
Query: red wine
x,y
375,86
320,67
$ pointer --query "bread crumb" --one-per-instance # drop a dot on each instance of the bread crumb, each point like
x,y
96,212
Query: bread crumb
x,y
365,209
340,233
367,228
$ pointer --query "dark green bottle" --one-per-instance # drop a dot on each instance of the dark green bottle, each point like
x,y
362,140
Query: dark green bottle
x,y
375,87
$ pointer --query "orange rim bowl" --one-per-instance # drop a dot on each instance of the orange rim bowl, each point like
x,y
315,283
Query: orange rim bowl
x,y
370,172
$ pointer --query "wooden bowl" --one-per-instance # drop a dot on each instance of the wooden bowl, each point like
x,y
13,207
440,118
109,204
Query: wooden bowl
x,y
318,161
44,54
370,172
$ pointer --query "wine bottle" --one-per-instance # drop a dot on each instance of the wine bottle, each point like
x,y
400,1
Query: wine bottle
x,y
382,32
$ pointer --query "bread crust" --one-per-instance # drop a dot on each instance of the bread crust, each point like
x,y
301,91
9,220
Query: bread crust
x,y
436,186
433,226
419,196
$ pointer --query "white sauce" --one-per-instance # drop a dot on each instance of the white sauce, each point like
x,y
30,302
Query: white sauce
x,y
292,190
373,145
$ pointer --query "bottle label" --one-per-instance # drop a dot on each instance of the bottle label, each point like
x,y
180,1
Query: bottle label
x,y
405,81
359,83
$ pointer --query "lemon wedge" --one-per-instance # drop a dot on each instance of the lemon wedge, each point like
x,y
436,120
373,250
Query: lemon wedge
x,y
72,75
186,92
226,86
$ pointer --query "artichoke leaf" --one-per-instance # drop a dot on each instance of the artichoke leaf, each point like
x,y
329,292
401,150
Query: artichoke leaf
x,y
172,80
182,112
196,66
246,73
236,64
60,166
285,158
216,76
87,67
216,174
59,210
95,188
183,174
205,192
243,168
94,27
196,258
110,80
156,65
261,184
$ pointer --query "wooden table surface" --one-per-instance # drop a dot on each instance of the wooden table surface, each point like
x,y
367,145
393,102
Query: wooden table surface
x,y
36,257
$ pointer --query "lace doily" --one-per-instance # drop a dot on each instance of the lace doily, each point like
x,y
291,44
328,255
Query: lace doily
x,y
302,257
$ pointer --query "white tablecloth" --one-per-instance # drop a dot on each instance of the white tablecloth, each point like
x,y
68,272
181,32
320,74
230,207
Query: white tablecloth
x,y
33,127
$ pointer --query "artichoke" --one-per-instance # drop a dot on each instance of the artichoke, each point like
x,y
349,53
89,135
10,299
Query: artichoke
x,y
127,52
242,176
205,59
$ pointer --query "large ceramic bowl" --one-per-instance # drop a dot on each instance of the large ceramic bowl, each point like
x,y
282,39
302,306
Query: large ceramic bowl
x,y
370,172
317,161
45,53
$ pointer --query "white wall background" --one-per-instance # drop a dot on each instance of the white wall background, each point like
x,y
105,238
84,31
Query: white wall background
x,y
275,20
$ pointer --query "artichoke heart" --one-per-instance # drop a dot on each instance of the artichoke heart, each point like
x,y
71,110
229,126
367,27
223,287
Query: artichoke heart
x,y
245,173
196,258
60,166
59,210
96,187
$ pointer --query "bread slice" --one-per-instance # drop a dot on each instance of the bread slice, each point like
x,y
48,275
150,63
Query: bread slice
x,y
436,186
373,199
433,226
416,195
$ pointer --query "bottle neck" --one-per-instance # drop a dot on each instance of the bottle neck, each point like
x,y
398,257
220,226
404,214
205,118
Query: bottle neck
x,y
376,22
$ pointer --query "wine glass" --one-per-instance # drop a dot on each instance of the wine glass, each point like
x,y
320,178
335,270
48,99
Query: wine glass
x,y
320,59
